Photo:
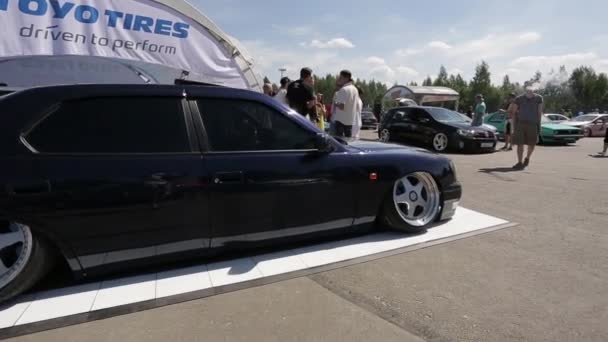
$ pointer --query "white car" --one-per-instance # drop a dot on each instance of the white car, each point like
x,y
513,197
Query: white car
x,y
593,125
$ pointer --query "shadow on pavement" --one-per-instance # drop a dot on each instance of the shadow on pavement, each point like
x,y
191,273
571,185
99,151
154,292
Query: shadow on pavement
x,y
599,156
499,170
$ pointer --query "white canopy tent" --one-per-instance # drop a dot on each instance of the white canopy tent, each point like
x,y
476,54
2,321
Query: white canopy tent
x,y
117,41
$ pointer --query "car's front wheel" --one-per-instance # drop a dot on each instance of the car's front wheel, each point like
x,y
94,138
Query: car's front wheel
x,y
440,142
24,259
587,132
414,203
385,135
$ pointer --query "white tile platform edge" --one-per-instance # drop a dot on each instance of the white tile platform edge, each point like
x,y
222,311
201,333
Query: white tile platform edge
x,y
81,299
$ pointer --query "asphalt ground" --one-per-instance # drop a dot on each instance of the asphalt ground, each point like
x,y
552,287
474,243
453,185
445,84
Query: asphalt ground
x,y
543,280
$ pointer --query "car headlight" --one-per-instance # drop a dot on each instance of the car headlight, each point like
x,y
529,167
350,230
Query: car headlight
x,y
466,133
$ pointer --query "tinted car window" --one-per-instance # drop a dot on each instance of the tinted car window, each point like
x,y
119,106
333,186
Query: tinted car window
x,y
113,125
234,125
419,114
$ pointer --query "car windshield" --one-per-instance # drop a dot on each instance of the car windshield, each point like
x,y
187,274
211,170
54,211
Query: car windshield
x,y
445,115
586,118
367,115
545,119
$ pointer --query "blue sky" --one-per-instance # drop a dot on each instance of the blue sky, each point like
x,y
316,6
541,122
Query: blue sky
x,y
399,41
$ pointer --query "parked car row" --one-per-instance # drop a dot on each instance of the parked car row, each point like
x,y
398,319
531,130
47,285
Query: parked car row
x,y
550,131
113,177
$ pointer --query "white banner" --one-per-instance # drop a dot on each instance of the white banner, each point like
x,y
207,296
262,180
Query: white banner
x,y
142,30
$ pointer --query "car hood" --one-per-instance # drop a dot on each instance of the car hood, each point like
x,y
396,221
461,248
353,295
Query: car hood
x,y
556,126
374,146
467,126
576,123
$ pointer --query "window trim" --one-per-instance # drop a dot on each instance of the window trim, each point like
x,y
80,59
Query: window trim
x,y
206,147
187,117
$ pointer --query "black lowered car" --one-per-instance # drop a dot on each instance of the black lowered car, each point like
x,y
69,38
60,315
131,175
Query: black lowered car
x,y
113,177
438,128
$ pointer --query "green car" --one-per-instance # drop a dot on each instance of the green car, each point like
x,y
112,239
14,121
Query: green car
x,y
551,132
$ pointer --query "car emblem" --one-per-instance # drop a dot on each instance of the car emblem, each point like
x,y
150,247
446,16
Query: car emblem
x,y
413,196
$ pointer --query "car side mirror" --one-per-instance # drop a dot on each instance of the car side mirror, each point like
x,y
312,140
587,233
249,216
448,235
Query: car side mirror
x,y
323,143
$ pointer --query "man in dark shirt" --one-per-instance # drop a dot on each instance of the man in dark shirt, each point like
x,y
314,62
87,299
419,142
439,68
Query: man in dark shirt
x,y
529,109
301,95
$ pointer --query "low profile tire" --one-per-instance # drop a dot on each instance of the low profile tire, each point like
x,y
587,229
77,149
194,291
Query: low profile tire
x,y
413,204
440,142
24,259
385,135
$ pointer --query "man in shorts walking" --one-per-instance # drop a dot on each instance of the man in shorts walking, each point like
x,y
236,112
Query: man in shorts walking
x,y
527,124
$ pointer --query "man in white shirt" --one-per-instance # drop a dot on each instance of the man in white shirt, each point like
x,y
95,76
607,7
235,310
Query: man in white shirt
x,y
345,106
281,95
358,111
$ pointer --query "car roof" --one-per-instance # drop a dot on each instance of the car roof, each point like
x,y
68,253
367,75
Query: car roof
x,y
67,92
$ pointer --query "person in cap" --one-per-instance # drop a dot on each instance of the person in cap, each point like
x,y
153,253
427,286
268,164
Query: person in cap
x,y
480,111
345,106
527,124
281,95
301,95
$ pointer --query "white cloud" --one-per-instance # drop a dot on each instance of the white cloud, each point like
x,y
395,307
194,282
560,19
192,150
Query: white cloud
x,y
408,52
408,72
374,60
295,31
455,71
436,44
336,43
523,68
541,62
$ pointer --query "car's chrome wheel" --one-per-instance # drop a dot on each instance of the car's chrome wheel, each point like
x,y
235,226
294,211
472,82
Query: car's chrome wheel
x,y
440,142
15,251
417,199
385,135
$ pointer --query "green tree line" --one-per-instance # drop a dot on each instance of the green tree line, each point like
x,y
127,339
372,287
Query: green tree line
x,y
582,90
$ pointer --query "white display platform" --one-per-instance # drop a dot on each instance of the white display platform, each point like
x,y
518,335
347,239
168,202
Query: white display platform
x,y
79,304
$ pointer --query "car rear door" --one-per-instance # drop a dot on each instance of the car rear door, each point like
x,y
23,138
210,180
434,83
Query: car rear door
x,y
268,181
124,180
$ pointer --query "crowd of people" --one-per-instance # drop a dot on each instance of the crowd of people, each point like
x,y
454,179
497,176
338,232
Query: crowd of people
x,y
522,126
343,113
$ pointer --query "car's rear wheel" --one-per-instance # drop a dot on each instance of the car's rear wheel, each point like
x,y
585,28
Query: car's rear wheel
x,y
440,142
24,259
414,203
385,135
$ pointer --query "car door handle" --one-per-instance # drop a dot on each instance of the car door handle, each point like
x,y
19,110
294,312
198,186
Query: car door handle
x,y
232,177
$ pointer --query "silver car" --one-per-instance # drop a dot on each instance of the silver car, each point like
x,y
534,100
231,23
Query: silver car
x,y
593,125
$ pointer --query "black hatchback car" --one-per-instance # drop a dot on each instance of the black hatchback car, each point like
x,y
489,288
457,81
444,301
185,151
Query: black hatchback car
x,y
113,177
438,128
